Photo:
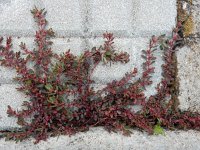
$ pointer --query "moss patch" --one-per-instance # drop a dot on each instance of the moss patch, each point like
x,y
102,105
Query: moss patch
x,y
185,17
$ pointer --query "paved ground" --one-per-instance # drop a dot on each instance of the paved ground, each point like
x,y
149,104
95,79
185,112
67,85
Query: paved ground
x,y
79,25
99,139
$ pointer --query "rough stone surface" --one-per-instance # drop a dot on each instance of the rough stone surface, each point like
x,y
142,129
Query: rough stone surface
x,y
90,17
75,45
99,139
189,68
111,15
9,96
66,16
154,17
15,17
189,78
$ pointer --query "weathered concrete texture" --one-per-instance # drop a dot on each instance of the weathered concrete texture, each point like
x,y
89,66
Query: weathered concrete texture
x,y
66,16
132,18
15,17
9,96
111,15
189,67
189,78
154,17
7,75
90,17
99,139
75,45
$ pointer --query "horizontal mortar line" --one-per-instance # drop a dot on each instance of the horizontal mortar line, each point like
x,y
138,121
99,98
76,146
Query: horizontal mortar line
x,y
67,34
81,37
17,32
9,128
8,83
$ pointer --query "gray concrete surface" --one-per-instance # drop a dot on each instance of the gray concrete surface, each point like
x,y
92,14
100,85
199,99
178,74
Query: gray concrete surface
x,y
189,67
99,139
90,17
189,78
10,96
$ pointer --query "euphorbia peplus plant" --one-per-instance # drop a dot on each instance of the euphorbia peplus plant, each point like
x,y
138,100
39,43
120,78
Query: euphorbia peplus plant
x,y
62,98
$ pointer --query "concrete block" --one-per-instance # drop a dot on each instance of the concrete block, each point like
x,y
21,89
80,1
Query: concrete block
x,y
154,17
76,45
189,78
111,15
65,17
132,18
16,18
9,96
105,73
99,139
7,75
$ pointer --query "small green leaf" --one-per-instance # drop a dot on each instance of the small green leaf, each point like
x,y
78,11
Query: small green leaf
x,y
164,45
163,35
28,82
51,100
59,108
48,87
20,121
127,127
40,85
30,71
104,60
63,65
94,49
75,64
17,140
26,91
108,53
161,47
158,130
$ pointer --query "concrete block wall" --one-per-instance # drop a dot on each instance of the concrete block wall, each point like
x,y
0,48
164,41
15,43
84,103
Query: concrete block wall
x,y
79,25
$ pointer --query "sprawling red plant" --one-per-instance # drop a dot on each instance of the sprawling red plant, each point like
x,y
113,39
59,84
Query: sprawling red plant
x,y
62,98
